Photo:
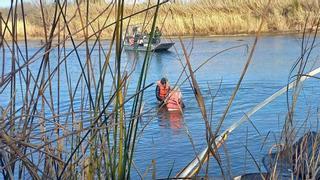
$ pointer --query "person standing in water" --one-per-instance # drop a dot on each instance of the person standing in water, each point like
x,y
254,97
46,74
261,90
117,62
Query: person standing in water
x,y
162,90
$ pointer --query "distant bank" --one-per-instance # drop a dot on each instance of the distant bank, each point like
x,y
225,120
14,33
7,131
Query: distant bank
x,y
187,18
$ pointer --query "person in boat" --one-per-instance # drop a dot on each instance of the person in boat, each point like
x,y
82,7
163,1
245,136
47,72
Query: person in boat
x,y
136,36
145,34
162,90
134,31
140,42
157,35
174,100
131,41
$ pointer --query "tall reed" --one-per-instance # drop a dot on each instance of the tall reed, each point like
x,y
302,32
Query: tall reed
x,y
59,125
304,159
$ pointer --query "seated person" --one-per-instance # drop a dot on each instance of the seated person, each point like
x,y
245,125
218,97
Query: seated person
x,y
131,41
140,42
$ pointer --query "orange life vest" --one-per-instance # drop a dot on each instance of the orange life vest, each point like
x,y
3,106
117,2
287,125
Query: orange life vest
x,y
173,103
163,89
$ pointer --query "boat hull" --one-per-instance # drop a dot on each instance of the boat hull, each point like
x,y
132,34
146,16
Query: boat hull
x,y
157,48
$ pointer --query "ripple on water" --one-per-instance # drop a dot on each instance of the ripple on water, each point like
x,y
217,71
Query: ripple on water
x,y
175,139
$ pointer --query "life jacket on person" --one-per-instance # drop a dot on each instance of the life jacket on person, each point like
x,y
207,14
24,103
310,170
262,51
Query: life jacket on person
x,y
163,89
174,100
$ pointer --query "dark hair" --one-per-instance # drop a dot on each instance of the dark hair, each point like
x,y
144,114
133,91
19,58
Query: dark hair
x,y
163,81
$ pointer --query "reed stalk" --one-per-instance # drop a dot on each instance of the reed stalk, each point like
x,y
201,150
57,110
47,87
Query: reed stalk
x,y
57,124
70,148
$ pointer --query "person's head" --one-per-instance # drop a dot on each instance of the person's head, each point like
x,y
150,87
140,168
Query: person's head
x,y
135,29
163,81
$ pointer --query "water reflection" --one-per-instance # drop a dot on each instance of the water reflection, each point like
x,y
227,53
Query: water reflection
x,y
170,119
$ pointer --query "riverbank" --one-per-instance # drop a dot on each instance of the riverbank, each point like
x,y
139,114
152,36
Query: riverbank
x,y
39,40
204,18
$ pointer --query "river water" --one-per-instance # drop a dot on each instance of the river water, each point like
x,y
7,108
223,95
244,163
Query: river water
x,y
171,140
167,138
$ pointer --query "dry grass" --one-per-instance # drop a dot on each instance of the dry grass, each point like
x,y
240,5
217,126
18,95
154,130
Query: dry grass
x,y
40,139
209,17
63,145
302,158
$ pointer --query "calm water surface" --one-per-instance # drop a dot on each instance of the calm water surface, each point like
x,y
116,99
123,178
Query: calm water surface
x,y
166,137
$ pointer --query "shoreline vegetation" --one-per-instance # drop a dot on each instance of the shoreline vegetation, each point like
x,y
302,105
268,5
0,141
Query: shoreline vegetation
x,y
182,18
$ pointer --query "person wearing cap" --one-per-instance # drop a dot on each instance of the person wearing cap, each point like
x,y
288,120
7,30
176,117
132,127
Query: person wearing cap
x,y
162,89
